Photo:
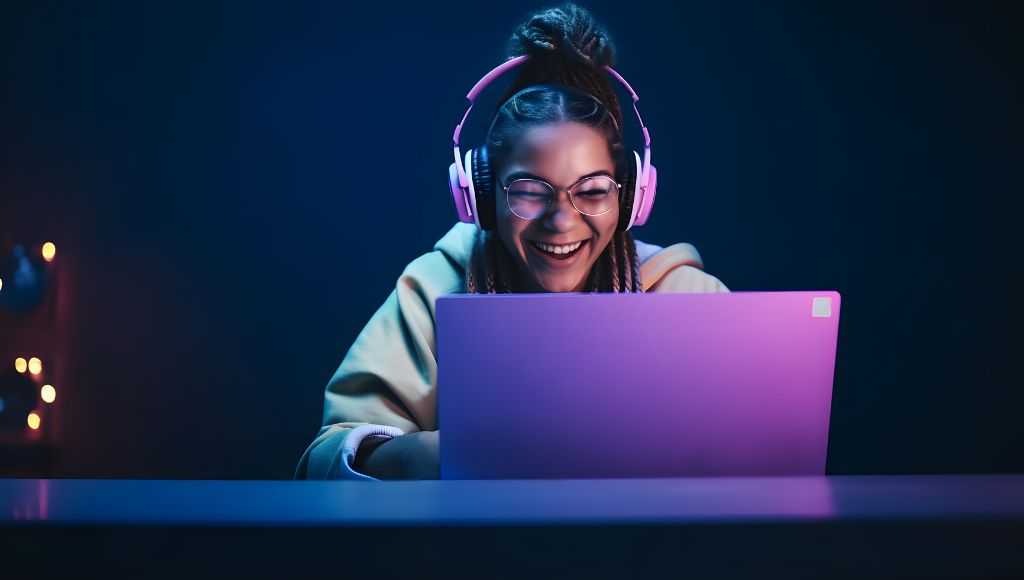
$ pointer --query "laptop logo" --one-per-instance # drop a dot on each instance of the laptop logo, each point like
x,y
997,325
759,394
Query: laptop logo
x,y
821,307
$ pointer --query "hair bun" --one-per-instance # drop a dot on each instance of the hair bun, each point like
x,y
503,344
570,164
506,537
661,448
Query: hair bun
x,y
567,33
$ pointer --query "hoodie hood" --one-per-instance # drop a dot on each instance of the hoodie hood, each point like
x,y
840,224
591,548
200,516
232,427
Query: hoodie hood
x,y
655,261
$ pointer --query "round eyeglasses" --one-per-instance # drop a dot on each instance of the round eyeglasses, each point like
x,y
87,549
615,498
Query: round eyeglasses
x,y
591,196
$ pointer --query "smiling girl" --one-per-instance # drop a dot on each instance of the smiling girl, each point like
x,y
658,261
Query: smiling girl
x,y
554,216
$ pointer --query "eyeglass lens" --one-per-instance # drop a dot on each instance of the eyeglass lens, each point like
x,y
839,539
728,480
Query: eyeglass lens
x,y
530,198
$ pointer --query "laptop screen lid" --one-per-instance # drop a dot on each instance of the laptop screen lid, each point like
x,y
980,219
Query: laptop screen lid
x,y
568,385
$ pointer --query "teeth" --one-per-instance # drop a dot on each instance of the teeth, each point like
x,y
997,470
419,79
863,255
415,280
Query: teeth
x,y
559,249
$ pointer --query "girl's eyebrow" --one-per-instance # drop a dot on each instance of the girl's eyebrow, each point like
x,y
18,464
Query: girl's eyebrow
x,y
527,175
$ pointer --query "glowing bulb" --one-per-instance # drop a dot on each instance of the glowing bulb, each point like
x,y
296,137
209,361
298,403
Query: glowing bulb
x,y
20,364
35,366
49,251
48,393
33,421
1,283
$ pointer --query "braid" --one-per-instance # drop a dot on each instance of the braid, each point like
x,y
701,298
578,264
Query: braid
x,y
490,269
634,261
505,265
613,264
618,267
479,271
474,268
481,255
497,274
623,262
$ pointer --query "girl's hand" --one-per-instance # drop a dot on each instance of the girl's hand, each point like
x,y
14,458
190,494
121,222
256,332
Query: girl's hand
x,y
411,456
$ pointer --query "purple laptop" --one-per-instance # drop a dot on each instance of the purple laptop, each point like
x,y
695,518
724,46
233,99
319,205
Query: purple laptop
x,y
644,385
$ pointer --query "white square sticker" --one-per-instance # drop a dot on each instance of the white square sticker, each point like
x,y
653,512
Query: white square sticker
x,y
821,307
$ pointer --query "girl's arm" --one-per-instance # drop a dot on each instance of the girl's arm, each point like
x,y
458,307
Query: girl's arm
x,y
412,456
385,386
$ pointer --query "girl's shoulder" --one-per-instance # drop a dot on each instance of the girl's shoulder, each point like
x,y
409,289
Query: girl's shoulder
x,y
675,268
443,269
457,244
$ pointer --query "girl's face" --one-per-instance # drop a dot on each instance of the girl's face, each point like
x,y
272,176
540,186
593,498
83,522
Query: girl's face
x,y
560,154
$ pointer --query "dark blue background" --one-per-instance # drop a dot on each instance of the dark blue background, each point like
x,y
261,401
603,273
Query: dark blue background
x,y
234,188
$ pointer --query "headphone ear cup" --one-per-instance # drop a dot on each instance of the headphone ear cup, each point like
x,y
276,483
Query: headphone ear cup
x,y
483,184
460,195
627,192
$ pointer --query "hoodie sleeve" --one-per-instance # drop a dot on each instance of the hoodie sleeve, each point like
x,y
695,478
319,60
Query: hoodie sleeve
x,y
677,268
384,386
687,278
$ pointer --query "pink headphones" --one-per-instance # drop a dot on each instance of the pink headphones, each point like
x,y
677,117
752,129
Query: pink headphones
x,y
472,182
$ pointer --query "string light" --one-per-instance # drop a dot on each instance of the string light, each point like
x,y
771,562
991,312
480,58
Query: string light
x,y
35,366
48,393
49,251
33,421
1,283
20,364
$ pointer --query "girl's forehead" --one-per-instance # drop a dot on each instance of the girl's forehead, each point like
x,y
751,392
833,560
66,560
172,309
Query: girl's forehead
x,y
565,148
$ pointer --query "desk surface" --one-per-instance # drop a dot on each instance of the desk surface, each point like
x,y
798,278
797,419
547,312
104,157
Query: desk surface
x,y
510,502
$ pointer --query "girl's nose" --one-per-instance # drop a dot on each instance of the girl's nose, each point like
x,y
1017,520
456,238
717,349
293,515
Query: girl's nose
x,y
561,216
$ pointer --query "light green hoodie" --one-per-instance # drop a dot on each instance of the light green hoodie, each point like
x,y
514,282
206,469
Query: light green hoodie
x,y
386,384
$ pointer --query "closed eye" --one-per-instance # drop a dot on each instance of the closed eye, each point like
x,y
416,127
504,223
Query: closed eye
x,y
528,196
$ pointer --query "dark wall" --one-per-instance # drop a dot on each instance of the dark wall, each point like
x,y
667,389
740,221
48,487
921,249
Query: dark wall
x,y
233,189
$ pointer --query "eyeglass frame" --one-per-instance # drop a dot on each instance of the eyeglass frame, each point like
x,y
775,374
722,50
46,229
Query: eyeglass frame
x,y
618,193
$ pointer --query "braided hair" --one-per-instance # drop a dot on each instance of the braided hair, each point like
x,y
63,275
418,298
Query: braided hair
x,y
568,50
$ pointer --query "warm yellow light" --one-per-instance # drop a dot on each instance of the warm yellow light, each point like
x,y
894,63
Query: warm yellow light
x,y
1,283
20,364
35,366
49,251
48,393
33,421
